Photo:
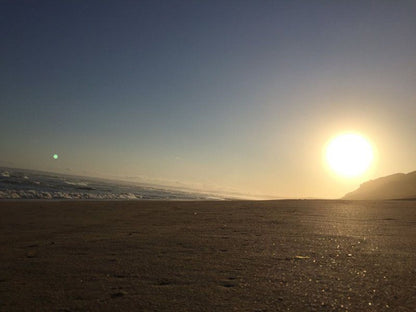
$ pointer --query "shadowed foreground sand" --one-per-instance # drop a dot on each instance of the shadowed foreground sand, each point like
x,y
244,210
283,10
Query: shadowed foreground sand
x,y
208,256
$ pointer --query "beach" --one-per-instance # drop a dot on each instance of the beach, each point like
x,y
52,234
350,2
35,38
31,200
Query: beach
x,y
287,255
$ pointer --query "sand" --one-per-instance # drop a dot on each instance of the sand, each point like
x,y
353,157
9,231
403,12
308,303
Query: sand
x,y
208,256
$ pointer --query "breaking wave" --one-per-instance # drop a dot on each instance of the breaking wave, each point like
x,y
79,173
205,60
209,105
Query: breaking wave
x,y
28,184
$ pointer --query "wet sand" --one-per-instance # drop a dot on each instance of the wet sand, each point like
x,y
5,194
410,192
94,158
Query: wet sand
x,y
208,256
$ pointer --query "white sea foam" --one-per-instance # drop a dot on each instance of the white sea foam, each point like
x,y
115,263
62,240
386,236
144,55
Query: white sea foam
x,y
25,184
32,194
76,183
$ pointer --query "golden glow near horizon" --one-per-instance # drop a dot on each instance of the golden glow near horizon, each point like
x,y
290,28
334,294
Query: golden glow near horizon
x,y
349,155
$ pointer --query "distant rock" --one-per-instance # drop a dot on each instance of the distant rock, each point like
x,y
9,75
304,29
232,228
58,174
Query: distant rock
x,y
395,186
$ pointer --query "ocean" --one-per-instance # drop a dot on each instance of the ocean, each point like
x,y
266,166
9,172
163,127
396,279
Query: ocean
x,y
30,184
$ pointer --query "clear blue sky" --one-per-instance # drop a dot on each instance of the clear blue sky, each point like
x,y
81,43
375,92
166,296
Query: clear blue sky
x,y
217,95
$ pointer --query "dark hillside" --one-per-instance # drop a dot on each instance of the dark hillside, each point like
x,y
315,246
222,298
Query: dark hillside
x,y
395,186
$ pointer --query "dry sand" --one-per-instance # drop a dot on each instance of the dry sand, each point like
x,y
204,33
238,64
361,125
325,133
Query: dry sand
x,y
208,256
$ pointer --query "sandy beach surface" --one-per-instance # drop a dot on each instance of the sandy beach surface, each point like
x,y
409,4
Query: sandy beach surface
x,y
300,255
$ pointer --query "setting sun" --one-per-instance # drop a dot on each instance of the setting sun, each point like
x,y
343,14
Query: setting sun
x,y
349,154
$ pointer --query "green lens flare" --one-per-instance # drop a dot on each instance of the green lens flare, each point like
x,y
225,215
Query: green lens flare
x,y
55,156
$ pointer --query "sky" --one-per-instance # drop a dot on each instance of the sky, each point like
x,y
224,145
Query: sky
x,y
224,96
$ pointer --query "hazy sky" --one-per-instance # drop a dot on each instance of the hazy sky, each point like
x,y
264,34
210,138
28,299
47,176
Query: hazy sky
x,y
220,95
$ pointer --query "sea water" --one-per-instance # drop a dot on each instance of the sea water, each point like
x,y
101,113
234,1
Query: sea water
x,y
29,184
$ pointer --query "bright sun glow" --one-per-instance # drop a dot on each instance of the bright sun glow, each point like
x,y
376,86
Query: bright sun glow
x,y
349,154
